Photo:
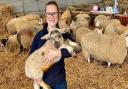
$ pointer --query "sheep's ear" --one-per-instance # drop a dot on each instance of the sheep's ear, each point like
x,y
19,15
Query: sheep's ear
x,y
46,37
40,21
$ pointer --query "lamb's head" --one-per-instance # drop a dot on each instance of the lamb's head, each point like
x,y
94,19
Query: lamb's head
x,y
56,38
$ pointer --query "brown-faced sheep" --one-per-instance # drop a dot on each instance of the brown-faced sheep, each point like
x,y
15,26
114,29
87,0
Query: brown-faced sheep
x,y
66,17
35,67
111,49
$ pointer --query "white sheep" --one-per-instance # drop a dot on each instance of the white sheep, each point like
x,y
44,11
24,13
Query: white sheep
x,y
80,32
115,29
103,24
16,24
112,49
35,67
83,19
75,25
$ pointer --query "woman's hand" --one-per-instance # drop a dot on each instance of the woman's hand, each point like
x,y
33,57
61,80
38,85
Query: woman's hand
x,y
52,55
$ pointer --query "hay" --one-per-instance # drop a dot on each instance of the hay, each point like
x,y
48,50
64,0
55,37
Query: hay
x,y
5,15
80,74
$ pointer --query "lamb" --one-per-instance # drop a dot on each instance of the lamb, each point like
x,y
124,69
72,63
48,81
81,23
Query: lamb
x,y
34,67
26,35
16,24
111,49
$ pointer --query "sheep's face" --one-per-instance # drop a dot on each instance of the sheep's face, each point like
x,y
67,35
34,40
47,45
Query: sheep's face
x,y
98,24
3,43
56,38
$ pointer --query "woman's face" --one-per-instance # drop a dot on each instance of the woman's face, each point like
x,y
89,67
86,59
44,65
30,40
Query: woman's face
x,y
51,15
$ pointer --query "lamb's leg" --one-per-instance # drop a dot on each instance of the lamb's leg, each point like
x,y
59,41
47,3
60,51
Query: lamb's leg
x,y
109,64
44,85
36,85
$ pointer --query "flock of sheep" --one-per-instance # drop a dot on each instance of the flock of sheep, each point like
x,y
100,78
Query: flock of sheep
x,y
107,42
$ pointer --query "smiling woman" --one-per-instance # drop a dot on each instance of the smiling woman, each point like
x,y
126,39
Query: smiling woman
x,y
55,77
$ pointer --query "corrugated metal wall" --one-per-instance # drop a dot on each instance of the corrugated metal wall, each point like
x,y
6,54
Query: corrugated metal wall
x,y
37,6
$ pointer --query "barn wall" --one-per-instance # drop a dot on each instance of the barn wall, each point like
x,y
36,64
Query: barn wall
x,y
36,6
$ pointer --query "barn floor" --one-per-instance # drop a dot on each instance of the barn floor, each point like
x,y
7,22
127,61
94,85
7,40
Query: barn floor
x,y
80,74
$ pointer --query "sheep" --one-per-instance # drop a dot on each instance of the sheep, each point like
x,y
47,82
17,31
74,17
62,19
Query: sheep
x,y
66,17
16,24
83,19
26,35
30,17
115,29
80,32
111,49
63,26
101,20
75,25
10,43
34,67
105,23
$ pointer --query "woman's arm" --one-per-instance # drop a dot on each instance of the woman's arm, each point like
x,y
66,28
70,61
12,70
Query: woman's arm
x,y
37,42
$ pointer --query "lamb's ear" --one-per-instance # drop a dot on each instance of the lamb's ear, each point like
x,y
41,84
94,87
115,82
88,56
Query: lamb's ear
x,y
46,37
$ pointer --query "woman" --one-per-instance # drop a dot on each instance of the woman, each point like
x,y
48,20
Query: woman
x,y
55,76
